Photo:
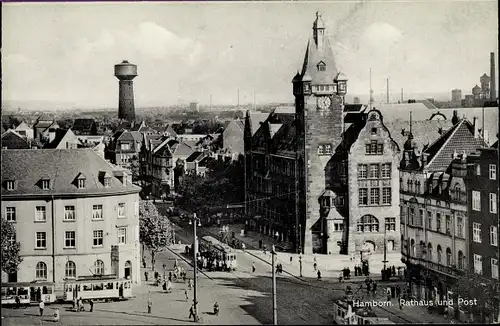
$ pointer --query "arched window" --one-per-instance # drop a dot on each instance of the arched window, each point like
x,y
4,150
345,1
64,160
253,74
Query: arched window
x,y
440,254
429,251
461,260
70,269
448,257
413,248
41,271
423,249
368,223
99,267
458,191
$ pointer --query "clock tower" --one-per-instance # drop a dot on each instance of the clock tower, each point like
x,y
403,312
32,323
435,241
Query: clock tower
x,y
319,130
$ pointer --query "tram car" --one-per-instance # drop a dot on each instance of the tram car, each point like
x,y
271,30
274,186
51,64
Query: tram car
x,y
28,292
344,314
107,288
214,248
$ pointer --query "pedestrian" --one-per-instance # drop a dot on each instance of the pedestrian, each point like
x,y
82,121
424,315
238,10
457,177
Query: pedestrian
x,y
146,275
374,288
368,287
18,302
150,303
186,294
253,267
91,305
144,262
315,265
291,258
388,294
41,305
170,276
319,275
191,312
189,284
265,249
56,315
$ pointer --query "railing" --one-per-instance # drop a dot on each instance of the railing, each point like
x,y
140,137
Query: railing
x,y
448,270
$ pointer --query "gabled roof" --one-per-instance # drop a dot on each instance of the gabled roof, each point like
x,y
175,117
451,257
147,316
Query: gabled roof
x,y
256,118
181,149
196,156
459,138
61,135
137,136
28,167
83,124
13,140
149,138
274,127
314,56
23,126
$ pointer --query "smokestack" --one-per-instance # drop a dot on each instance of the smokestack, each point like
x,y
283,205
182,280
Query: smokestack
x,y
210,101
387,90
238,98
493,88
126,72
401,95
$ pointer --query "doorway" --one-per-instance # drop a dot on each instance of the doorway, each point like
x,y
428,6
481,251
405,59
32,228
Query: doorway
x,y
128,270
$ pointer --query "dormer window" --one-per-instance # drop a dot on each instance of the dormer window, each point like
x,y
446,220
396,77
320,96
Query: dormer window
x,y
45,184
107,182
10,184
321,150
328,149
81,183
321,66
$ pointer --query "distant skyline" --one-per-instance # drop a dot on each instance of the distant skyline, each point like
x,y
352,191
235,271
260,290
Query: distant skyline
x,y
65,53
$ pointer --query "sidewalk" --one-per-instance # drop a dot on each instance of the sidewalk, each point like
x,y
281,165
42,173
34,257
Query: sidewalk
x,y
330,265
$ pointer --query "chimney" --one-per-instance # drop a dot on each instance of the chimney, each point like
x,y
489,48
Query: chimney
x,y
424,159
493,88
475,124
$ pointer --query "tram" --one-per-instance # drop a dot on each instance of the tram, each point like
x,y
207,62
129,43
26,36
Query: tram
x,y
343,313
28,292
105,287
211,247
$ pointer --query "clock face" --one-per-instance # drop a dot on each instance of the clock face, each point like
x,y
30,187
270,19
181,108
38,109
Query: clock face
x,y
324,102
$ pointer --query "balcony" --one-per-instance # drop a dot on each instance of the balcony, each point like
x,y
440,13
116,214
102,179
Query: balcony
x,y
447,270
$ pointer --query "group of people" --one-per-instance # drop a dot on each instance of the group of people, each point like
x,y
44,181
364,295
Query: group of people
x,y
78,305
388,272
214,263
362,270
279,268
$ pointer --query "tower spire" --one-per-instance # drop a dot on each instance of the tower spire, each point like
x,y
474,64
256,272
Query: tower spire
x,y
319,31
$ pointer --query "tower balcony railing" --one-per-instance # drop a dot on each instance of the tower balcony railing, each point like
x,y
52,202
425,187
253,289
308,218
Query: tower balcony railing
x,y
447,270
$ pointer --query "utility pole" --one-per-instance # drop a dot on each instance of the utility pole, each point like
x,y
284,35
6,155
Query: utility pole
x,y
371,90
238,99
195,221
387,90
275,307
210,101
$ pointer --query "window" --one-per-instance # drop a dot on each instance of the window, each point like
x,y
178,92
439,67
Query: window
x,y
98,267
429,251
69,213
107,182
98,238
386,170
374,171
438,222
40,214
420,218
367,149
41,240
321,67
476,232
390,224
460,227
478,169
461,260
412,216
493,172
374,196
45,184
429,220
10,214
494,268
321,150
363,196
339,227
478,264
125,146
362,171
121,210
10,185
41,271
70,269
69,239
380,149
448,224
81,183
97,212
476,200
328,149
122,235
493,203
439,254
448,257
374,131
368,223
493,235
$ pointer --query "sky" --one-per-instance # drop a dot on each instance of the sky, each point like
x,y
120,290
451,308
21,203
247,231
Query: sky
x,y
65,53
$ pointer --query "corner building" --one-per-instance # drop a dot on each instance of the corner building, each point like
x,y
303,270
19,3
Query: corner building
x,y
301,167
74,214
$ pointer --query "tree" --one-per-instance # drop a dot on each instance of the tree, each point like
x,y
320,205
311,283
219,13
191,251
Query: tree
x,y
155,230
11,258
471,285
135,169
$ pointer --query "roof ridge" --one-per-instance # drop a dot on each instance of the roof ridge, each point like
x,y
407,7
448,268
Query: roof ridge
x,y
454,130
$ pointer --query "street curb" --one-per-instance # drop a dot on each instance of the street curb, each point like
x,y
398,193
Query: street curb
x,y
188,262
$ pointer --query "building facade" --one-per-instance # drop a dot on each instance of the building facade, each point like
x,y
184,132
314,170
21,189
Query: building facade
x,y
434,217
74,219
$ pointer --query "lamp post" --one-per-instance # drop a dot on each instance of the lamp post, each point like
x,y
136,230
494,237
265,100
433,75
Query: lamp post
x,y
195,221
275,306
300,265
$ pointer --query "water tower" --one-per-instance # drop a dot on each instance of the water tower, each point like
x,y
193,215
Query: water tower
x,y
126,72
